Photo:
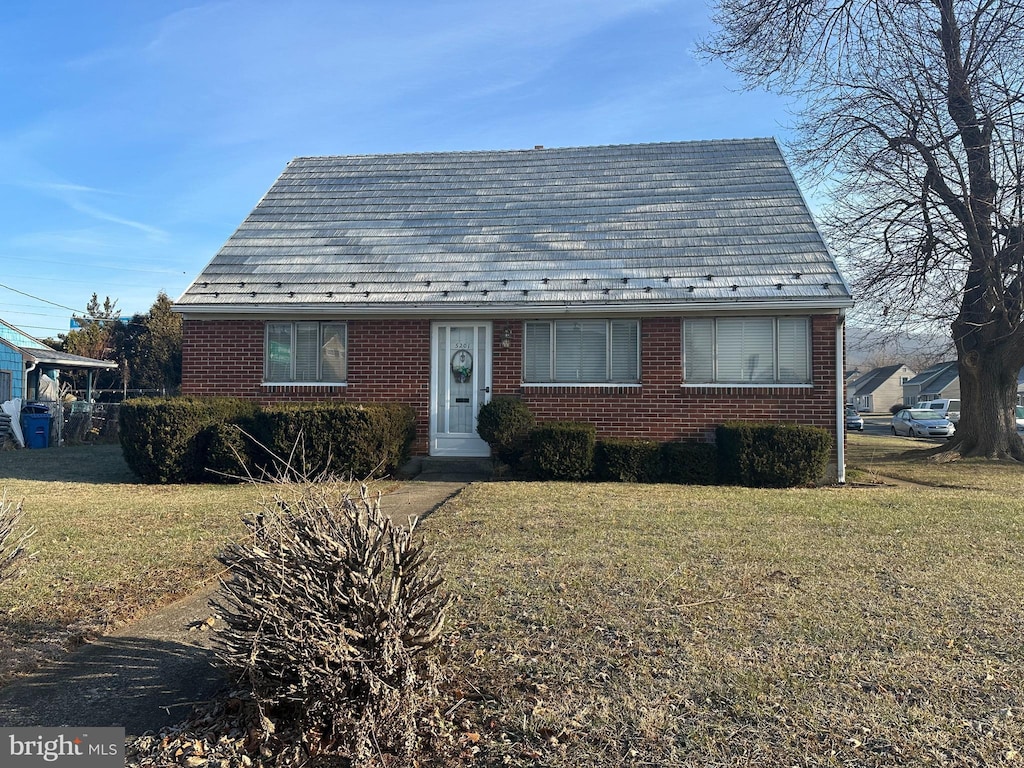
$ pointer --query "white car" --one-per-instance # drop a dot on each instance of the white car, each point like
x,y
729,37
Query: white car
x,y
948,409
854,419
1018,414
921,422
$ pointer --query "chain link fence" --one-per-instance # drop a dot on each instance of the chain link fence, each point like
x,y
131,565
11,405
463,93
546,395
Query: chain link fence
x,y
83,422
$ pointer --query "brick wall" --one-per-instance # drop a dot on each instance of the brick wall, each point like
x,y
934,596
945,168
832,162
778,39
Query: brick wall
x,y
390,360
661,409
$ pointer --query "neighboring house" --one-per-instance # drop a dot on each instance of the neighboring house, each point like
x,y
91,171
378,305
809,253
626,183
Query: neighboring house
x,y
654,290
879,389
24,359
937,382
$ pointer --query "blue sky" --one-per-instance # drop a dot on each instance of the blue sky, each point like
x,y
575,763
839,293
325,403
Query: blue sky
x,y
136,136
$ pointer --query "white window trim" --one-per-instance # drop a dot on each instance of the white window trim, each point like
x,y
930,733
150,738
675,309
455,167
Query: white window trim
x,y
775,383
609,363
303,382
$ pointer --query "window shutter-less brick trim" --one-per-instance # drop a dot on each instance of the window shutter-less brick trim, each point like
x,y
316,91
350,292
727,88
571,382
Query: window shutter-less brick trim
x,y
583,351
756,351
305,353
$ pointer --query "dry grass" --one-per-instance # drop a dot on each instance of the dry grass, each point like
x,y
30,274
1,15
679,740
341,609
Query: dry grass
x,y
875,458
106,549
616,625
641,625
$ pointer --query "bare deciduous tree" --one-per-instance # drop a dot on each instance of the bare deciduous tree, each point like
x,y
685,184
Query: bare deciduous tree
x,y
913,111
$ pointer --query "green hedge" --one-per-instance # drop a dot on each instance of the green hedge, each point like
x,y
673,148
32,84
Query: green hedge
x,y
166,440
504,424
562,450
229,451
183,440
628,461
338,438
689,463
772,455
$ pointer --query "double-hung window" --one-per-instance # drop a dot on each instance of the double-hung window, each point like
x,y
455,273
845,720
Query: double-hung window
x,y
747,350
582,351
305,353
5,386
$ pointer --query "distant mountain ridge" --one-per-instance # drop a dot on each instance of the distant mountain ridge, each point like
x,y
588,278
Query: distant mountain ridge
x,y
866,349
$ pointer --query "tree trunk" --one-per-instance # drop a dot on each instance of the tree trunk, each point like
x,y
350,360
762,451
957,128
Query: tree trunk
x,y
988,396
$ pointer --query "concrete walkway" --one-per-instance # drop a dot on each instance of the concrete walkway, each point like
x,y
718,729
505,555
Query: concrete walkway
x,y
148,674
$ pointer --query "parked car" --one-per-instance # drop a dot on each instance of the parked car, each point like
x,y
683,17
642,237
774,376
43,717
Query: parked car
x,y
1018,414
921,422
853,419
948,409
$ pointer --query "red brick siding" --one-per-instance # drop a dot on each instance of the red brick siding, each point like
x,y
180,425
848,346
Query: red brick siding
x,y
662,409
390,360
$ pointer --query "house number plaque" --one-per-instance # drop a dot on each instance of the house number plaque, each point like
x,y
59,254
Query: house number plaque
x,y
462,366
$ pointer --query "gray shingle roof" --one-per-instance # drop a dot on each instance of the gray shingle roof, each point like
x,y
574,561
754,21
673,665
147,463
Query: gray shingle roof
x,y
937,377
40,353
685,223
873,379
65,359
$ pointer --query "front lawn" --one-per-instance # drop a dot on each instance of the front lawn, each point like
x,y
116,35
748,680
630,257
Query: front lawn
x,y
874,458
610,624
107,548
619,625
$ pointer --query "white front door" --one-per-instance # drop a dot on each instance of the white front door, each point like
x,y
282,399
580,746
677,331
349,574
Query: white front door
x,y
460,384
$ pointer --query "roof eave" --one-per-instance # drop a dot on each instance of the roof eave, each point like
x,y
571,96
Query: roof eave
x,y
66,362
829,304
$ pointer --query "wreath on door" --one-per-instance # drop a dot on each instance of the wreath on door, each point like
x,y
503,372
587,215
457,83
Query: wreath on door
x,y
462,366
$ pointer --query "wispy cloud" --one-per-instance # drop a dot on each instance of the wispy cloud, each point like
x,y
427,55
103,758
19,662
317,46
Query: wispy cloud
x,y
96,213
233,73
78,197
62,187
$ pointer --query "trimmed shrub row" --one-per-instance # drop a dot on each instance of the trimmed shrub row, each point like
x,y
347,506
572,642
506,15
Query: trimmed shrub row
x,y
563,450
569,451
752,454
645,461
166,440
505,424
183,440
771,455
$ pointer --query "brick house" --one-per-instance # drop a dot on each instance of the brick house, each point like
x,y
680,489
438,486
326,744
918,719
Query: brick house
x,y
653,290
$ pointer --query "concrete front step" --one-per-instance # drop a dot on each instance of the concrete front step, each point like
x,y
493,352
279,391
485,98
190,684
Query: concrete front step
x,y
447,468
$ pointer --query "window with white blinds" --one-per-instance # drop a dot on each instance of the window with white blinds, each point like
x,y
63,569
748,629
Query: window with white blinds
x,y
305,352
747,350
582,351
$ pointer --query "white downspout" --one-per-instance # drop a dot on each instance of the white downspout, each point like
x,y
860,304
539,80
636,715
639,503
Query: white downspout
x,y
29,367
840,401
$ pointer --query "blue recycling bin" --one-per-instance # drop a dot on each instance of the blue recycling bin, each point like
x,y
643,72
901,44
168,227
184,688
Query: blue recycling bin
x,y
35,424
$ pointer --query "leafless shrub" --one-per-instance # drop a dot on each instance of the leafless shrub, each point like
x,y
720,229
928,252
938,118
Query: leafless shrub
x,y
11,549
328,611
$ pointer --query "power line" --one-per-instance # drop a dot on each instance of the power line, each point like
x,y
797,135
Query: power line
x,y
39,298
